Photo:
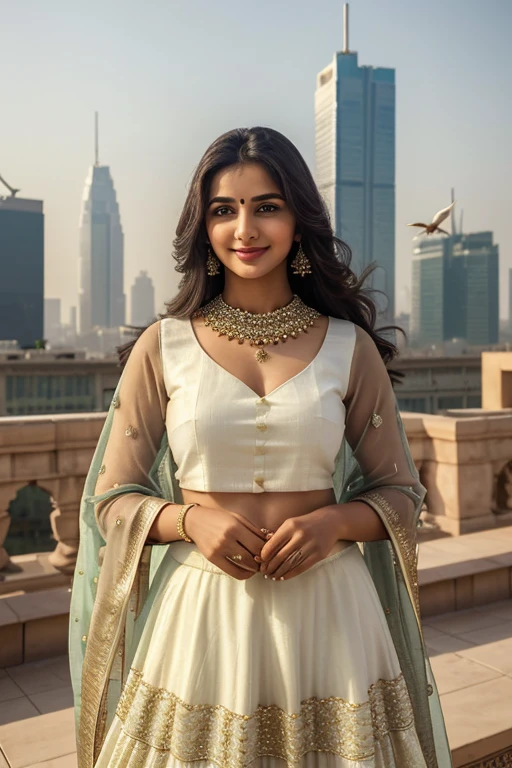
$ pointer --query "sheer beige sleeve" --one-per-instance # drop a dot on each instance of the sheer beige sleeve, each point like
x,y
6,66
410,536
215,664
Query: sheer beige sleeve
x,y
376,436
135,437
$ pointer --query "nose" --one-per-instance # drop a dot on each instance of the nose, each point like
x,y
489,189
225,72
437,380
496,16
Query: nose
x,y
245,226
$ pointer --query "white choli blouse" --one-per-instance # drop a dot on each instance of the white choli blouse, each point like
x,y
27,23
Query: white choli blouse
x,y
224,437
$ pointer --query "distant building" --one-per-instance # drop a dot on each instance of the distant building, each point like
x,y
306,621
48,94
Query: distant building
x,y
479,263
52,319
72,320
61,381
355,162
102,300
71,330
143,300
436,384
428,290
455,289
510,299
21,270
64,381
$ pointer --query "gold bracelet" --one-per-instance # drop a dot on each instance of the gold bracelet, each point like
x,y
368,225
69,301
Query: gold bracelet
x,y
179,522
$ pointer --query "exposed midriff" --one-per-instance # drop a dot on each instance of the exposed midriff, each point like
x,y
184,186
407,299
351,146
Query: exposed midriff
x,y
266,510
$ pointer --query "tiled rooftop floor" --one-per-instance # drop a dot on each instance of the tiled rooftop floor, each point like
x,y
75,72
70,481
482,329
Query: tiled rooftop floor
x,y
471,654
36,715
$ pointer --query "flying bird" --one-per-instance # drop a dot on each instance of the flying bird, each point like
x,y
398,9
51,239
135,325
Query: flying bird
x,y
436,221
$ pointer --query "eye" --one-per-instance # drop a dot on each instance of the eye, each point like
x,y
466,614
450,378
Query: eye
x,y
270,206
219,211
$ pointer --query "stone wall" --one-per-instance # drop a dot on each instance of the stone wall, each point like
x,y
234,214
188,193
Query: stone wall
x,y
54,451
465,462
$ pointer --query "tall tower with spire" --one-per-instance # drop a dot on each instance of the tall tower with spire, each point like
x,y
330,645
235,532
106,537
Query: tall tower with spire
x,y
355,161
101,294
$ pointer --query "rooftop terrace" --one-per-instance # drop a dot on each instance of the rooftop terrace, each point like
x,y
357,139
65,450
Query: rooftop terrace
x,y
465,575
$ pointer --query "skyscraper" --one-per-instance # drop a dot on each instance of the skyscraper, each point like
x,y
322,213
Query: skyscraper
x,y
21,269
143,300
101,299
428,272
479,259
455,289
52,319
355,161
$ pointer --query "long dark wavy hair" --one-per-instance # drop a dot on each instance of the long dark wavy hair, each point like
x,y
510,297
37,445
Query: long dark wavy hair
x,y
332,288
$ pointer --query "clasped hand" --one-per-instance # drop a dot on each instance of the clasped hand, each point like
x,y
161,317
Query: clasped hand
x,y
241,549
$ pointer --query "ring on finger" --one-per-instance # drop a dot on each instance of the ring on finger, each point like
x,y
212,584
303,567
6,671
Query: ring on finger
x,y
295,557
298,559
239,564
292,561
236,559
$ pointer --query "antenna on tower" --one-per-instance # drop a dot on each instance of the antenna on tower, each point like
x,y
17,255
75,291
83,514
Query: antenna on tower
x,y
96,148
346,49
454,228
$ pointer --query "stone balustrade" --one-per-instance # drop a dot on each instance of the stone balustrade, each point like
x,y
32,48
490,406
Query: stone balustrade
x,y
464,460
55,451
465,463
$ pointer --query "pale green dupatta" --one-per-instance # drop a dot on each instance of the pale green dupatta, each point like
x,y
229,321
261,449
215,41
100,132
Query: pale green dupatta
x,y
103,609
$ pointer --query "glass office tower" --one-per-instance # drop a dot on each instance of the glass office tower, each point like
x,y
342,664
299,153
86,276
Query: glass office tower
x,y
21,270
455,289
479,259
355,163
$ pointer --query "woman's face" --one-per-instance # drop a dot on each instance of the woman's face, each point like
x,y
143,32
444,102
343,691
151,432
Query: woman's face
x,y
246,213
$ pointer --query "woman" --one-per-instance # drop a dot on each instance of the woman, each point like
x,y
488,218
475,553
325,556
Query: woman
x,y
223,612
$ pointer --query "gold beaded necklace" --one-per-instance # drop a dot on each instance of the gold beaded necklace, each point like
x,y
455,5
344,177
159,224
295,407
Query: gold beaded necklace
x,y
258,330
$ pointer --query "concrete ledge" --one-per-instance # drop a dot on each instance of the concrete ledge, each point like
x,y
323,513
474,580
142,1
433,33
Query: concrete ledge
x,y
34,626
466,571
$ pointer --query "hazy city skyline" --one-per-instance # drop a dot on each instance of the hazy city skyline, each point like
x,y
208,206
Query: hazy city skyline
x,y
172,77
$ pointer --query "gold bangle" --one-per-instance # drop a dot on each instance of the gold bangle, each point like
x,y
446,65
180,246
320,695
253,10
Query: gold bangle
x,y
179,522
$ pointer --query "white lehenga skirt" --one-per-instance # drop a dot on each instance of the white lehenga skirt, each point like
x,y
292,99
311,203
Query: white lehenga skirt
x,y
263,673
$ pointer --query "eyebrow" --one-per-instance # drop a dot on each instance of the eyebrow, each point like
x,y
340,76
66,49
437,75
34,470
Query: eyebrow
x,y
257,199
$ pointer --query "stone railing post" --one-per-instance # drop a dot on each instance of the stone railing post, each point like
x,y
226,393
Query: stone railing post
x,y
459,459
64,520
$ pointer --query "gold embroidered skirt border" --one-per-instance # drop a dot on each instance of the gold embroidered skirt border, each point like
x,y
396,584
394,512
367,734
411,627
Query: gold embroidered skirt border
x,y
260,674
164,723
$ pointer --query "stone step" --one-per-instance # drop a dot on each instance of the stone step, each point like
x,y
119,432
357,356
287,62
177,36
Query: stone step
x,y
34,626
461,572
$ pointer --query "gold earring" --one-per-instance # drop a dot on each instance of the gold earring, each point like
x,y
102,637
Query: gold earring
x,y
301,265
212,264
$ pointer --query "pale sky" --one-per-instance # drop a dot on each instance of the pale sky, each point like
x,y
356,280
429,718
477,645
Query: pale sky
x,y
167,78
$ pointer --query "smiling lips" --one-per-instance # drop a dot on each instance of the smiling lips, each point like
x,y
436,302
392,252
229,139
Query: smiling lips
x,y
250,254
